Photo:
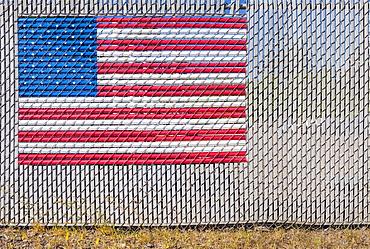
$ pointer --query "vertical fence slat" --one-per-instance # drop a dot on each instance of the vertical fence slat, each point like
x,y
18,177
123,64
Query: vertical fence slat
x,y
8,111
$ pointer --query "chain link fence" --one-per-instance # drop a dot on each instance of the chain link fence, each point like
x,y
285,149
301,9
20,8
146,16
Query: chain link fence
x,y
179,113
308,105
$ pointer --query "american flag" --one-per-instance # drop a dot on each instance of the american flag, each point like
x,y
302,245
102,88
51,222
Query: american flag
x,y
131,90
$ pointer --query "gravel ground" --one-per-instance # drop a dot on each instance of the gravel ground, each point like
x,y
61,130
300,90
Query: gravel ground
x,y
108,237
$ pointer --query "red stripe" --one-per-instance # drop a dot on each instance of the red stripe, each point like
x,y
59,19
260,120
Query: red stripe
x,y
184,70
169,93
137,161
170,48
171,88
172,25
129,156
171,42
129,133
130,139
129,110
133,116
167,65
172,93
171,19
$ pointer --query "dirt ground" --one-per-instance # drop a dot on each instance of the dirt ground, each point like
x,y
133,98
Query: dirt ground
x,y
108,237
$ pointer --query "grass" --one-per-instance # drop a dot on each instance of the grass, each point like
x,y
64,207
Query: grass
x,y
109,237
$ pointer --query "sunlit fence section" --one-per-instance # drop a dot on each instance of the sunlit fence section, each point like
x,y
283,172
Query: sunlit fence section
x,y
167,113
308,112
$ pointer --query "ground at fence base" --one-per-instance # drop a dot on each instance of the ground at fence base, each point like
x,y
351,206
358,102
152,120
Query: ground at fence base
x,y
109,237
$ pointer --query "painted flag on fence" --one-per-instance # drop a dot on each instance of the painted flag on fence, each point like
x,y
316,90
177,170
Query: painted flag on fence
x,y
126,90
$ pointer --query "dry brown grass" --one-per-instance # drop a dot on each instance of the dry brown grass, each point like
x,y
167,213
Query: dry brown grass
x,y
108,237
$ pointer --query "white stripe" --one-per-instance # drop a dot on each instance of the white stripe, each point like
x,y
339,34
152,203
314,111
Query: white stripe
x,y
173,59
160,82
172,76
108,122
125,31
171,36
132,99
132,105
174,144
170,53
132,127
132,150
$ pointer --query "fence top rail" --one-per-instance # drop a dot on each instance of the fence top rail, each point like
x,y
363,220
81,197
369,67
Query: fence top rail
x,y
98,7
225,10
307,4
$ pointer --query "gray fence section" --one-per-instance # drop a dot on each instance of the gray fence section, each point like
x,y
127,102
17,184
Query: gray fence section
x,y
308,110
130,195
8,109
308,130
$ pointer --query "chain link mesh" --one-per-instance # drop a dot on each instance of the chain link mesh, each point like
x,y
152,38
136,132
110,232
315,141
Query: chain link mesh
x,y
167,113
